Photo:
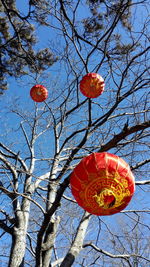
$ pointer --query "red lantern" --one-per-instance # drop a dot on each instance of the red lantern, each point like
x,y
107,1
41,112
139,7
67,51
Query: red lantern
x,y
102,183
38,93
92,85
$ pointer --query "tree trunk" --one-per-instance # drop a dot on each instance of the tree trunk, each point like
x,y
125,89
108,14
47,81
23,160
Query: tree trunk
x,y
18,248
77,243
48,244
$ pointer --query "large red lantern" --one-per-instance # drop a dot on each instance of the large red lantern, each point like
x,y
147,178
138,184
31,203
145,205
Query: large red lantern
x,y
102,183
92,85
38,93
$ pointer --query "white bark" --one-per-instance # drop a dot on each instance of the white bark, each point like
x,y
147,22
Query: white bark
x,y
77,243
18,247
48,245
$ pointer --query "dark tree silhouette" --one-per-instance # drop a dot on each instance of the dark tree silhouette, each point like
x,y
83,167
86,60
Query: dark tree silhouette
x,y
18,53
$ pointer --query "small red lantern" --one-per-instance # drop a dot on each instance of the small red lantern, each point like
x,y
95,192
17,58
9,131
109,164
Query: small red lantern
x,y
38,93
92,85
102,183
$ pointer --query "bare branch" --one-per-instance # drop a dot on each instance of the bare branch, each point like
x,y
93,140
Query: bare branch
x,y
126,131
6,228
124,256
142,182
76,245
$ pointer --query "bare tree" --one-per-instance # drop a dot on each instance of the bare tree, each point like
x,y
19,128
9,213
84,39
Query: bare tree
x,y
40,219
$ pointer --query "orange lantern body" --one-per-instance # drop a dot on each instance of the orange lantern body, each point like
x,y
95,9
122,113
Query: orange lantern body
x,y
92,85
38,93
102,183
